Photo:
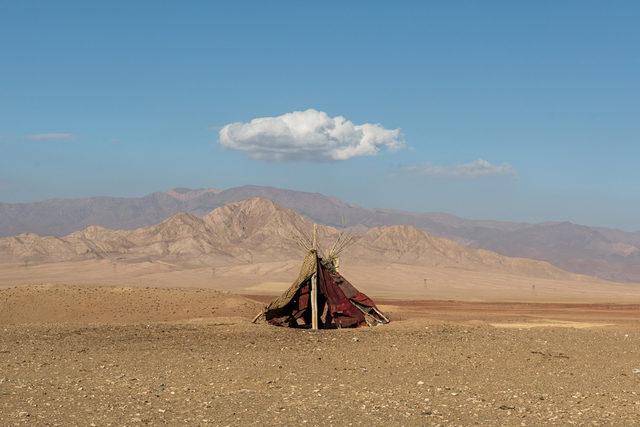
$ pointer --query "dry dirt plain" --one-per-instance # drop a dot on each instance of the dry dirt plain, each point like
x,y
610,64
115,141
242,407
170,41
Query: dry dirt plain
x,y
119,356
390,280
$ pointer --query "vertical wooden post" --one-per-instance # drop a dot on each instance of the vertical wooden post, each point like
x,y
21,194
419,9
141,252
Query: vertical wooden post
x,y
314,282
315,237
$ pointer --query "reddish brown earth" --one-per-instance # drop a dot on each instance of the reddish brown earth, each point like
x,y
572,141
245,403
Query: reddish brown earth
x,y
463,311
121,356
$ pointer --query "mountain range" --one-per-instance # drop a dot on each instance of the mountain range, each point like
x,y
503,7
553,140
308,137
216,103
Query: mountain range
x,y
254,231
601,252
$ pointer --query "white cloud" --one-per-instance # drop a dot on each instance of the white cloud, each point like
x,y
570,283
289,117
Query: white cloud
x,y
308,135
474,169
51,136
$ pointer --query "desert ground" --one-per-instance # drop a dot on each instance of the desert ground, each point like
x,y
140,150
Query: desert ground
x,y
87,355
386,280
153,326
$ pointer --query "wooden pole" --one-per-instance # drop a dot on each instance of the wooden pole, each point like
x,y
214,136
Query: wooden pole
x,y
259,315
314,282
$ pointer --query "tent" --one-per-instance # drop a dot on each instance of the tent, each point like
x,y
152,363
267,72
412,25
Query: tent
x,y
321,298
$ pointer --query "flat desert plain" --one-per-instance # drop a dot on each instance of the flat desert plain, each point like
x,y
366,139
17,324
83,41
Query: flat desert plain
x,y
381,279
86,355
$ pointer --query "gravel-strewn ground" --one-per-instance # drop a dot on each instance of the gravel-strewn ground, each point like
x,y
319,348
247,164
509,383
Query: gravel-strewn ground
x,y
226,371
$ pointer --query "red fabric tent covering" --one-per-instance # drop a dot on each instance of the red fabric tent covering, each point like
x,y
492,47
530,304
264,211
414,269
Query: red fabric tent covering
x,y
340,304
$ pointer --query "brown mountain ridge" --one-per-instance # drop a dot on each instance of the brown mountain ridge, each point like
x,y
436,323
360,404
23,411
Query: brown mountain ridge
x,y
255,230
602,252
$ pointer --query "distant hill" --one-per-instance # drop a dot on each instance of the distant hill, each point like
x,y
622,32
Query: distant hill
x,y
256,230
606,253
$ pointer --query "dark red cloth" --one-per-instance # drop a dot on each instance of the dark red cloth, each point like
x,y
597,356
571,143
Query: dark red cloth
x,y
343,312
335,293
351,292
304,301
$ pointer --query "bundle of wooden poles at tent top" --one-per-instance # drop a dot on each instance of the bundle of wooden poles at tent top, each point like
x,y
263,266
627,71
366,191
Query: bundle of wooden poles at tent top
x,y
321,297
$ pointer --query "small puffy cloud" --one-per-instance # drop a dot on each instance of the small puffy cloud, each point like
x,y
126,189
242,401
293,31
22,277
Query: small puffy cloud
x,y
308,135
51,136
475,169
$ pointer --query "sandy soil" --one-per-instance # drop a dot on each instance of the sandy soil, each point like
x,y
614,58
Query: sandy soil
x,y
117,356
393,280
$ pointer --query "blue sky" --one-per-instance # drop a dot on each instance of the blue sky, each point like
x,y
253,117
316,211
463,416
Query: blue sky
x,y
126,98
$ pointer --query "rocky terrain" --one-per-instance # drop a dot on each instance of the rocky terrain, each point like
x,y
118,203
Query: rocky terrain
x,y
435,364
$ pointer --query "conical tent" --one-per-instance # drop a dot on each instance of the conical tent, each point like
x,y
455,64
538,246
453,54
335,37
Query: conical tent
x,y
339,303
